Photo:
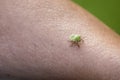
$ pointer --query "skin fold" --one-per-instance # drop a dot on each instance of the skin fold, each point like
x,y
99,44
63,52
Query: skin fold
x,y
34,42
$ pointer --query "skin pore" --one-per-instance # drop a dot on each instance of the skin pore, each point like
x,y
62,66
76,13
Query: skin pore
x,y
34,42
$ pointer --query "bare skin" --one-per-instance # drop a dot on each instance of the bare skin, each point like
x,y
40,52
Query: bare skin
x,y
34,42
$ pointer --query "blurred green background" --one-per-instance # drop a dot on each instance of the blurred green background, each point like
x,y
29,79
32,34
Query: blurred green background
x,y
107,11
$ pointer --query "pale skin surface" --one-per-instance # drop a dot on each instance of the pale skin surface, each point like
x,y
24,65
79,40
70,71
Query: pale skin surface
x,y
34,42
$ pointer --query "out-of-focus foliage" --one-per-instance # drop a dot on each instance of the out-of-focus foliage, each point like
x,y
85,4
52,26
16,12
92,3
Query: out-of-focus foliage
x,y
106,10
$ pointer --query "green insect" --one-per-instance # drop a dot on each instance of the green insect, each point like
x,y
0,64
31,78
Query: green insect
x,y
75,40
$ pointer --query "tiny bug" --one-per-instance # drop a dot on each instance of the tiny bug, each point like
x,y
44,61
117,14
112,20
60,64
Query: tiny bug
x,y
75,39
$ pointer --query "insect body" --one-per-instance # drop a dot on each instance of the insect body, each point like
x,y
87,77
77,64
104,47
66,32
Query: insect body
x,y
75,39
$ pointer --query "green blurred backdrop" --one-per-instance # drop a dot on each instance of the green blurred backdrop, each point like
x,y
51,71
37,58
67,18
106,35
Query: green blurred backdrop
x,y
106,10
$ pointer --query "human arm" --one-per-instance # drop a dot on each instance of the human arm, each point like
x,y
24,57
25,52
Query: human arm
x,y
34,42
